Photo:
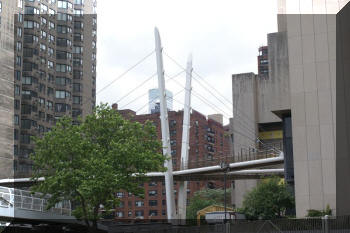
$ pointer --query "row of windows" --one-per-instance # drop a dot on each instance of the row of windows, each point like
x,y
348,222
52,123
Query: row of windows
x,y
139,213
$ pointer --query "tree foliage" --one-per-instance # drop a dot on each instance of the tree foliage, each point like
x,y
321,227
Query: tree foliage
x,y
268,200
88,163
204,198
319,213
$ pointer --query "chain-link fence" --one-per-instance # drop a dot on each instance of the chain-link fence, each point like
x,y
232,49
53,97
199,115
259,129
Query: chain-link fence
x,y
339,224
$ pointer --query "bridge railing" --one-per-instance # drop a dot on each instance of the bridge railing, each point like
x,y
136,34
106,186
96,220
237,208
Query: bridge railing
x,y
241,157
22,199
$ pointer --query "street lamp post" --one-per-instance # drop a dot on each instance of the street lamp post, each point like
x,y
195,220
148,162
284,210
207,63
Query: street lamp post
x,y
225,167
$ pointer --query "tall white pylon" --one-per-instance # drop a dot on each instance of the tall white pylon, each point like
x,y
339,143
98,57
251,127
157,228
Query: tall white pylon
x,y
169,183
185,140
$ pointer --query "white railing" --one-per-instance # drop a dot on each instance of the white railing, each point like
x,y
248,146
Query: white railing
x,y
22,199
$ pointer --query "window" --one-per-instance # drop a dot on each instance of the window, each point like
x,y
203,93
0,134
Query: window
x,y
77,74
93,44
41,101
139,213
63,68
76,112
77,49
63,29
16,120
43,34
17,90
49,105
120,194
62,94
25,138
62,81
78,12
50,52
51,38
0,7
152,193
163,202
64,4
52,12
77,62
26,123
15,135
44,8
17,104
42,47
129,213
152,203
18,46
59,107
119,214
43,21
18,61
64,17
121,204
77,87
51,25
49,91
26,80
77,100
78,37
153,213
79,2
50,64
139,203
78,25
152,184
63,42
19,32
18,75
29,10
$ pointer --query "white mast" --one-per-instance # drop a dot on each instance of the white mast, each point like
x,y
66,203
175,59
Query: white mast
x,y
169,184
185,140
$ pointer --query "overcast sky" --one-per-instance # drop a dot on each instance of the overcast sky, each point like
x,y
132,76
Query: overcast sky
x,y
223,37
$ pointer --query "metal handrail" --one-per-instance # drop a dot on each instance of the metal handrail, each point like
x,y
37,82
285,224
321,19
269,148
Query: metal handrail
x,y
29,202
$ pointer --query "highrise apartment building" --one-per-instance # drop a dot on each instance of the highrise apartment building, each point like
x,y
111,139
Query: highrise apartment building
x,y
49,51
208,145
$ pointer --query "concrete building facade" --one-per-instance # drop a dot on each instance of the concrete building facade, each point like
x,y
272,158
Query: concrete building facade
x,y
309,65
53,70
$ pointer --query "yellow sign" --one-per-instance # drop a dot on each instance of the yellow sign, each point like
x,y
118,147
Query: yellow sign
x,y
275,134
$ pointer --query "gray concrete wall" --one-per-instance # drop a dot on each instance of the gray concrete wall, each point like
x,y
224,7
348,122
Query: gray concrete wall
x,y
343,112
9,7
273,90
311,46
244,127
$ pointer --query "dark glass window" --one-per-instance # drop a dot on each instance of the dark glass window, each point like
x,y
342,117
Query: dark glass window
x,y
152,202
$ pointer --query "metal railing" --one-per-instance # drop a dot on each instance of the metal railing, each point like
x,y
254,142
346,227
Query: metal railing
x,y
242,157
22,199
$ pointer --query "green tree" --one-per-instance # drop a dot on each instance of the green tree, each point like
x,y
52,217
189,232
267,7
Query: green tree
x,y
204,198
268,200
88,163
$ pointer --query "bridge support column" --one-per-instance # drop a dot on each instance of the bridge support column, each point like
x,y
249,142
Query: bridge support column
x,y
182,198
169,183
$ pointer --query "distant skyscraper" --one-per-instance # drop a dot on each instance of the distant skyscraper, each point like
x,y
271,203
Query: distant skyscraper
x,y
154,101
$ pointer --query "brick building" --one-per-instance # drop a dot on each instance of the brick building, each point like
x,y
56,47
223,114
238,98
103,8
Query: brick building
x,y
208,143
